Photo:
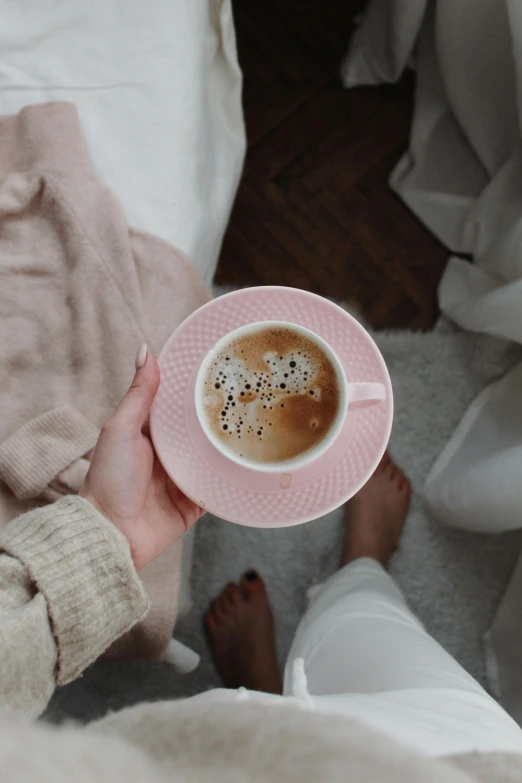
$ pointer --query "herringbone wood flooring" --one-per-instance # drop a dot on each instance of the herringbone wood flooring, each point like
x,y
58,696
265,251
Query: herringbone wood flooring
x,y
314,209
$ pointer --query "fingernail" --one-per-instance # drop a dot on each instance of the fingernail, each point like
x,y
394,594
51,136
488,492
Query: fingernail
x,y
251,576
141,356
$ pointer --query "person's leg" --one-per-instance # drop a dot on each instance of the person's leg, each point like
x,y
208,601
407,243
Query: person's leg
x,y
240,632
359,651
239,622
358,635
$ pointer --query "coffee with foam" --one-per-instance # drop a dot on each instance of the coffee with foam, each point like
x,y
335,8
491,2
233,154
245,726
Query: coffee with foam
x,y
271,395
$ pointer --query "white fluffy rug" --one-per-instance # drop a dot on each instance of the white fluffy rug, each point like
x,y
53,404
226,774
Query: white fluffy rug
x,y
452,580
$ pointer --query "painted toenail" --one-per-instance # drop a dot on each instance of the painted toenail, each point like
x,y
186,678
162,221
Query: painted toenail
x,y
251,576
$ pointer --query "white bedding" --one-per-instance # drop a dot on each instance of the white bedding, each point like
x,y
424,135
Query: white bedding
x,y
158,88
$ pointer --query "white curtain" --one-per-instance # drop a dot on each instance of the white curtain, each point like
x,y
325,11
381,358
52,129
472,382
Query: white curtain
x,y
462,176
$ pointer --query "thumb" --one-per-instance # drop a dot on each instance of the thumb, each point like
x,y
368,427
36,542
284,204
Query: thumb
x,y
135,406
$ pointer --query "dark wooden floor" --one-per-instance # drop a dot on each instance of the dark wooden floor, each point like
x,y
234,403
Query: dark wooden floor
x,y
314,209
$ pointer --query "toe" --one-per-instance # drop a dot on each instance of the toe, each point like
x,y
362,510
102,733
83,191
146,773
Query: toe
x,y
405,486
210,622
232,595
215,610
389,470
395,475
252,584
223,603
399,477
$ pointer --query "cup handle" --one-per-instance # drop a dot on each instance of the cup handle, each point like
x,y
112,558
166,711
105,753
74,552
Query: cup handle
x,y
365,395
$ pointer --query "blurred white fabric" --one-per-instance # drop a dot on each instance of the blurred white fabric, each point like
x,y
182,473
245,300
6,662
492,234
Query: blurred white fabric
x,y
181,657
462,176
158,89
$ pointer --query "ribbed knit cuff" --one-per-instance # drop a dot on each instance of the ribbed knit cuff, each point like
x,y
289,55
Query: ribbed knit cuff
x,y
42,448
82,565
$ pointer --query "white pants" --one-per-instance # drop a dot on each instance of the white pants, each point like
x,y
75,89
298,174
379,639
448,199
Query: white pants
x,y
366,655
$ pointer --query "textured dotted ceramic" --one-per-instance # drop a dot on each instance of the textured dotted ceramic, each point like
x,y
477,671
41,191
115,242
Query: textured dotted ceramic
x,y
241,495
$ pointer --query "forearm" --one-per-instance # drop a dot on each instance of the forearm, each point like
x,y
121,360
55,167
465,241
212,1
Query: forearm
x,y
68,589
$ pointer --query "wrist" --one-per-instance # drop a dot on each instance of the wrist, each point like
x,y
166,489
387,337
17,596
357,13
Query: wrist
x,y
86,494
82,566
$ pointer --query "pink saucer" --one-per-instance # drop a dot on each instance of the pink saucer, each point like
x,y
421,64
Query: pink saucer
x,y
267,499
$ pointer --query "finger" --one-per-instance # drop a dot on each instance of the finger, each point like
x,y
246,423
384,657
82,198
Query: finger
x,y
189,511
134,408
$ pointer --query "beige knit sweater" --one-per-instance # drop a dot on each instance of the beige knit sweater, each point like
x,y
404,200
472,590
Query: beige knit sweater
x,y
79,292
68,588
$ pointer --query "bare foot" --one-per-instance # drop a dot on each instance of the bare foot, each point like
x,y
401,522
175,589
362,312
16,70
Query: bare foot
x,y
240,631
376,515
